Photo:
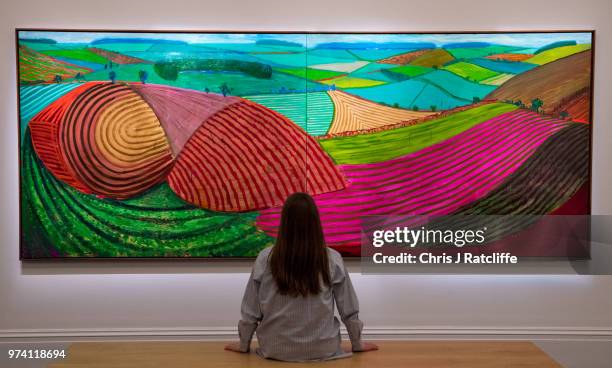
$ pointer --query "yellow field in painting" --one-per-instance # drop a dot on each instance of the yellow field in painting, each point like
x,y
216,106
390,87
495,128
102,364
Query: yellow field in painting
x,y
352,82
497,80
557,53
354,113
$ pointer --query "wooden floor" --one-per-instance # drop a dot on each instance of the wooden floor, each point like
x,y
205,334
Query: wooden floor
x,y
405,354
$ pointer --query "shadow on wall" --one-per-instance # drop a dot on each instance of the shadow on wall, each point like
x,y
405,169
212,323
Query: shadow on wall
x,y
112,266
134,266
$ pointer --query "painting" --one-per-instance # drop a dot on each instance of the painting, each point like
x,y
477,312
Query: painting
x,y
147,144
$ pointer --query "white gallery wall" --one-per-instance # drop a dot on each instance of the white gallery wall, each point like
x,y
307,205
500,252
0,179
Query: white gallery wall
x,y
202,297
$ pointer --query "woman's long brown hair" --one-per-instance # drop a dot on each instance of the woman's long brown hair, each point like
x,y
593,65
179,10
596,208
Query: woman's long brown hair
x,y
299,261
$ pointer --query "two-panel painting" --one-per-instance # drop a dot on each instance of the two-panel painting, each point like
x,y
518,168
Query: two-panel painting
x,y
173,144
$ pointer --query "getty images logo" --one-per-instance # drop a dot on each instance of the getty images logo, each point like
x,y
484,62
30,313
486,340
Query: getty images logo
x,y
404,236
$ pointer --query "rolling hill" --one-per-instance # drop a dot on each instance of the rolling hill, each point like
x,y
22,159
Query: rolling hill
x,y
353,113
553,83
557,53
433,58
437,180
35,67
405,58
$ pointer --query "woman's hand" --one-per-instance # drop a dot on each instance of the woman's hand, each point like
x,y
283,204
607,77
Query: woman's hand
x,y
367,346
235,347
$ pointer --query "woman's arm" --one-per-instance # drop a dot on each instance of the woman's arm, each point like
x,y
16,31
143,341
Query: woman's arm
x,y
250,314
348,306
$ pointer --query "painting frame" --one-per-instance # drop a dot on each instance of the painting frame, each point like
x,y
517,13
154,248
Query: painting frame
x,y
307,32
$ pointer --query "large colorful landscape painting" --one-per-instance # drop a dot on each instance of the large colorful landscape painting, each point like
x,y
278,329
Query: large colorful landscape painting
x,y
164,144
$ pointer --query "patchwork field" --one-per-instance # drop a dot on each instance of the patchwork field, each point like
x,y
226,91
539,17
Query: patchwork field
x,y
240,84
456,86
411,94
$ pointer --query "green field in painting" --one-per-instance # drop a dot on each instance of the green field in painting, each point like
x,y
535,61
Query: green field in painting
x,y
410,70
455,85
551,55
471,71
352,82
240,83
317,106
386,145
423,93
78,54
57,220
374,71
312,74
474,52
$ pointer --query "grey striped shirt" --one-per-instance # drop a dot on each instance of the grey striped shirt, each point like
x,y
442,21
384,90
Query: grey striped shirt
x,y
299,328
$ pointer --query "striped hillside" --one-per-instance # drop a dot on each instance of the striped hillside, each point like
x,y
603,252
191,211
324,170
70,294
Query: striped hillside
x,y
60,221
316,107
434,181
390,144
247,157
220,153
45,130
106,138
560,166
32,99
569,76
35,67
354,113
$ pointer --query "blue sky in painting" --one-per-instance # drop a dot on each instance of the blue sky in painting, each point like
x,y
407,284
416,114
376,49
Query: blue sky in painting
x,y
511,39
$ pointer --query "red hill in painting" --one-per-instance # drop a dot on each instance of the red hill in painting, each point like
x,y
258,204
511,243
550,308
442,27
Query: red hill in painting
x,y
219,153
